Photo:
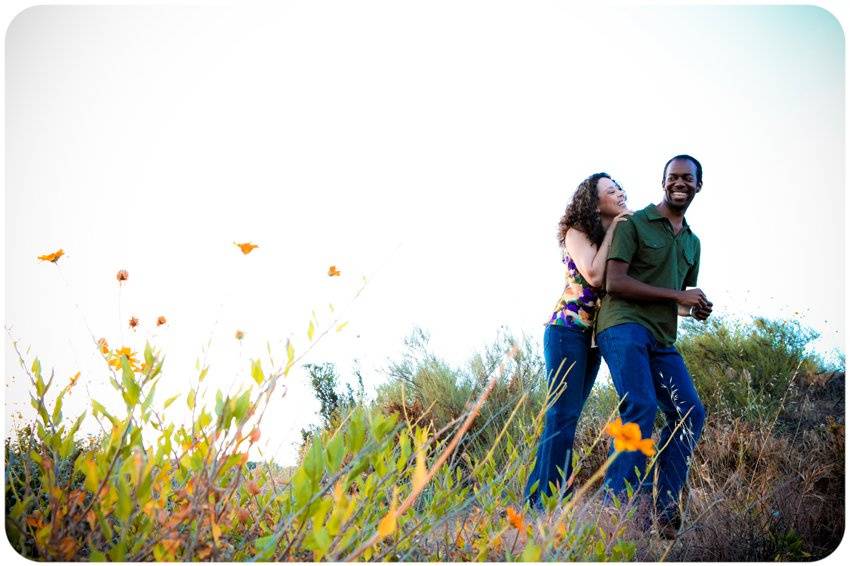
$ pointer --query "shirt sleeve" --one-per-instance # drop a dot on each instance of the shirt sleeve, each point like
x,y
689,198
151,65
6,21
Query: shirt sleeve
x,y
691,277
624,244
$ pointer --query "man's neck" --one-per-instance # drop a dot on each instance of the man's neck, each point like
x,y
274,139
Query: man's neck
x,y
676,217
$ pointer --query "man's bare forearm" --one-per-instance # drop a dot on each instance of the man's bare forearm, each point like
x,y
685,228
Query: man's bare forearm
x,y
627,287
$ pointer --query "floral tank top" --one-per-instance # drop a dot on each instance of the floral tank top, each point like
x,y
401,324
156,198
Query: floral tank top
x,y
578,303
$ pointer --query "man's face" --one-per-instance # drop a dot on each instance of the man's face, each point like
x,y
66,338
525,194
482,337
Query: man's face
x,y
680,184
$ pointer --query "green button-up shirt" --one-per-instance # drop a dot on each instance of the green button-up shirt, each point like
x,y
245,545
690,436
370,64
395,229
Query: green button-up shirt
x,y
656,257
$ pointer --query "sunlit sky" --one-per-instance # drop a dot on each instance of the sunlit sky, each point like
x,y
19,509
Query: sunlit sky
x,y
429,147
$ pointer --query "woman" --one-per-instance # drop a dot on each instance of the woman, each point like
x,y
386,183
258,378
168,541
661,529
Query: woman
x,y
572,360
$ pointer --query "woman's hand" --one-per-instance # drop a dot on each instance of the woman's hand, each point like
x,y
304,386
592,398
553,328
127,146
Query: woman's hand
x,y
619,218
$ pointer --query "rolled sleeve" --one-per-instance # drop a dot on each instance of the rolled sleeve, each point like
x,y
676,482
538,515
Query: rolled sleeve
x,y
624,243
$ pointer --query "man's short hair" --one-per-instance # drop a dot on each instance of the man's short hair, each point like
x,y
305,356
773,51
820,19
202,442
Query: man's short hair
x,y
687,157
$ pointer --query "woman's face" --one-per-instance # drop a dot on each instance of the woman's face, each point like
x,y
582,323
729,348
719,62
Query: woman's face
x,y
612,199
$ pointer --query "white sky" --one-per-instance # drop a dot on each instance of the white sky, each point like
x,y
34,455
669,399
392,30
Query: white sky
x,y
430,147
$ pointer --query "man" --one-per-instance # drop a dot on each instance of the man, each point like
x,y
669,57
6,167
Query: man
x,y
654,256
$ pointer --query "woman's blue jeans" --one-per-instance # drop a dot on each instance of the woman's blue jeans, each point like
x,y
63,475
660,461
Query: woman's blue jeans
x,y
571,367
649,376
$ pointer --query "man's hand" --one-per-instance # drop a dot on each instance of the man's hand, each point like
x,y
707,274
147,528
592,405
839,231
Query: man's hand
x,y
701,313
694,298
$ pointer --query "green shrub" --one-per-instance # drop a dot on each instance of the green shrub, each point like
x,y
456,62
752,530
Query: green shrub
x,y
745,369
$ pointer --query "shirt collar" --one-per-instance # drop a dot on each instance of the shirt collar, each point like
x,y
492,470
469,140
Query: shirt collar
x,y
652,214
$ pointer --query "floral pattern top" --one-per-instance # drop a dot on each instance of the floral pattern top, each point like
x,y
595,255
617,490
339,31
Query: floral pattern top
x,y
578,303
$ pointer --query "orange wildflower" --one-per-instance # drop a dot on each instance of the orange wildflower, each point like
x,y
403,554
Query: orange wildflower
x,y
122,275
246,247
74,379
54,257
515,519
160,320
134,322
627,438
253,488
240,335
333,271
243,514
103,346
254,436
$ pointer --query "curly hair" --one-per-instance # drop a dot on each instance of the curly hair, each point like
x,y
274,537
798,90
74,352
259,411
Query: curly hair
x,y
582,212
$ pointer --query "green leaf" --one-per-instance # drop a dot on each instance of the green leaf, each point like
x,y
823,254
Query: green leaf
x,y
531,553
148,355
149,398
96,556
118,553
98,408
219,403
204,420
341,325
310,331
203,374
314,462
302,488
19,507
190,400
68,443
264,547
242,405
125,505
131,388
170,400
335,452
257,372
290,357
56,417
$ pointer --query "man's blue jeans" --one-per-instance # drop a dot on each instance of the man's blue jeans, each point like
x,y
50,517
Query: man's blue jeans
x,y
571,367
648,375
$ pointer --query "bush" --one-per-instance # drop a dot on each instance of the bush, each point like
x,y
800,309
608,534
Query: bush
x,y
745,369
424,388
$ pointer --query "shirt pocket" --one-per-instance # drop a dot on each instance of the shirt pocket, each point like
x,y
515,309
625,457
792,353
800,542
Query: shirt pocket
x,y
687,258
654,252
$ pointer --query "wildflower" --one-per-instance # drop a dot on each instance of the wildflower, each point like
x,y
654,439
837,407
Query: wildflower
x,y
333,271
627,438
253,488
103,346
254,436
134,322
515,519
160,320
74,380
246,247
122,275
244,515
240,335
127,353
54,257
387,525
